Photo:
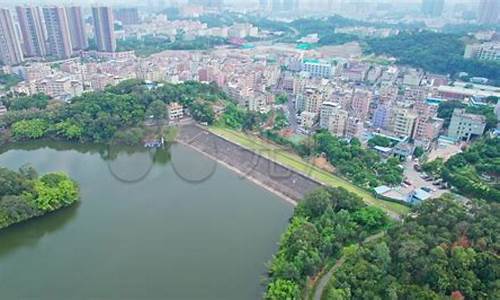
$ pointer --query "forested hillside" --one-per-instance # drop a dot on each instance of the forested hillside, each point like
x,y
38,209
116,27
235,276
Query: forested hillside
x,y
443,250
434,52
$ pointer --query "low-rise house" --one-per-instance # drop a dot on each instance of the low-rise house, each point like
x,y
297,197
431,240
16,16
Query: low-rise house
x,y
3,110
464,126
175,111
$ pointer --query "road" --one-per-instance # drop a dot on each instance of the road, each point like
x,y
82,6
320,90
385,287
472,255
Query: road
x,y
323,282
292,114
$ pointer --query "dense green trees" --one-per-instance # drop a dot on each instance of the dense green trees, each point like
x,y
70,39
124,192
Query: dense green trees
x,y
30,129
363,166
379,140
444,247
23,195
150,44
474,172
9,80
100,116
157,110
434,52
39,101
238,118
323,223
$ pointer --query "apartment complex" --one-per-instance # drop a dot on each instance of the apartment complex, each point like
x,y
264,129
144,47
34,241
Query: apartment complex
x,y
77,28
32,31
104,28
10,48
58,36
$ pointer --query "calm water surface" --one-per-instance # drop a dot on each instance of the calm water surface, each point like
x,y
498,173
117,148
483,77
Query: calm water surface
x,y
173,225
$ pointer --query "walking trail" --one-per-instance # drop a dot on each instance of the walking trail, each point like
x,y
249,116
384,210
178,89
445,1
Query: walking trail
x,y
326,278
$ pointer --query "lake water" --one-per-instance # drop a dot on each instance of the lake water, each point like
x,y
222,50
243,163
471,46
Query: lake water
x,y
173,225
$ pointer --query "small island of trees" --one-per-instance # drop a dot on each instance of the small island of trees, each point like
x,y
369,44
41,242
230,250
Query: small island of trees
x,y
25,195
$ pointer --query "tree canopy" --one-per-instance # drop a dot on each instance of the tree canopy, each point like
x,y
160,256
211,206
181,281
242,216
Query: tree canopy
x,y
100,116
24,195
323,223
442,249
440,53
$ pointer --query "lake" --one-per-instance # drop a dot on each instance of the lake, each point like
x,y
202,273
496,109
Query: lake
x,y
168,225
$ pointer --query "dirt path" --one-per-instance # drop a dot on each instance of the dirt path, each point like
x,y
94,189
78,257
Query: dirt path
x,y
326,278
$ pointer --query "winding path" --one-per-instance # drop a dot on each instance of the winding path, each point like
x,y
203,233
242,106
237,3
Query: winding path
x,y
326,278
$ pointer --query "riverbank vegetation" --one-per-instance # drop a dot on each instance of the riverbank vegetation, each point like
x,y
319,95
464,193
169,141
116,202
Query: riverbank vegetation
x,y
443,250
323,223
475,172
25,195
99,117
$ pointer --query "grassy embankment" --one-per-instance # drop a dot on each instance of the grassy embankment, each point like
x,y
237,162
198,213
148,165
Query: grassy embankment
x,y
295,162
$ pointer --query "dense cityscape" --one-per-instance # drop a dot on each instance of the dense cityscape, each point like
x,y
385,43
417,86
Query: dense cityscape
x,y
378,121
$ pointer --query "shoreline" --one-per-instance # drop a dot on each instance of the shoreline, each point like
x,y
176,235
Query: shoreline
x,y
242,174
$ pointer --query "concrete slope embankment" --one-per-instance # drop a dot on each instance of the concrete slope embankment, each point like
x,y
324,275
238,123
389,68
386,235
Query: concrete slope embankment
x,y
283,181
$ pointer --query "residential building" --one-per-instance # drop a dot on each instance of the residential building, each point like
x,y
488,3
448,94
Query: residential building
x,y
403,122
360,104
307,119
3,110
264,5
333,118
317,68
381,117
32,31
412,78
432,8
354,128
77,32
312,101
488,12
486,51
11,52
104,28
461,91
58,37
464,126
257,102
356,71
127,15
175,111
427,130
61,88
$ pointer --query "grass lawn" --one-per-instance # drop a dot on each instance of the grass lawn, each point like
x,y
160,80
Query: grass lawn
x,y
295,162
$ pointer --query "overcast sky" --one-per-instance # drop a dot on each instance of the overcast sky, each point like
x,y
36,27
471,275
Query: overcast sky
x,y
146,2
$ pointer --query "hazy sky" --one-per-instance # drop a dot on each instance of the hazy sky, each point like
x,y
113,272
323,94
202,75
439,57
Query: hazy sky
x,y
148,2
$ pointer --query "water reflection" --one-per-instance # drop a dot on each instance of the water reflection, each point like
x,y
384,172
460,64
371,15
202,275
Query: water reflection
x,y
109,153
29,233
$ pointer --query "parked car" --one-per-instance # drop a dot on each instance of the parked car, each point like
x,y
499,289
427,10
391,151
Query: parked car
x,y
427,189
